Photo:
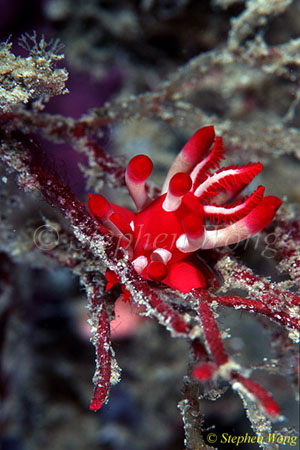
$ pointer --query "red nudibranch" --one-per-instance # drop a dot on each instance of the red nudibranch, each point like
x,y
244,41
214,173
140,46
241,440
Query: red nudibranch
x,y
194,212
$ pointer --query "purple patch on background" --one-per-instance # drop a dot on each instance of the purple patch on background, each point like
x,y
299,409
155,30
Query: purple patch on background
x,y
85,93
18,17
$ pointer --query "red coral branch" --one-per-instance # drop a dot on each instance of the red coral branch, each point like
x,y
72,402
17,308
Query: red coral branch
x,y
164,312
108,164
222,365
276,303
259,393
101,340
212,334
257,306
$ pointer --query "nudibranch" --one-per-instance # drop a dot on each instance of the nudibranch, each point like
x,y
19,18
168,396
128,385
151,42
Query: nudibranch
x,y
195,211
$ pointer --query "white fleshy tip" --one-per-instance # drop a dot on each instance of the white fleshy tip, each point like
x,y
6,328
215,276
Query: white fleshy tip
x,y
161,254
171,203
140,263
